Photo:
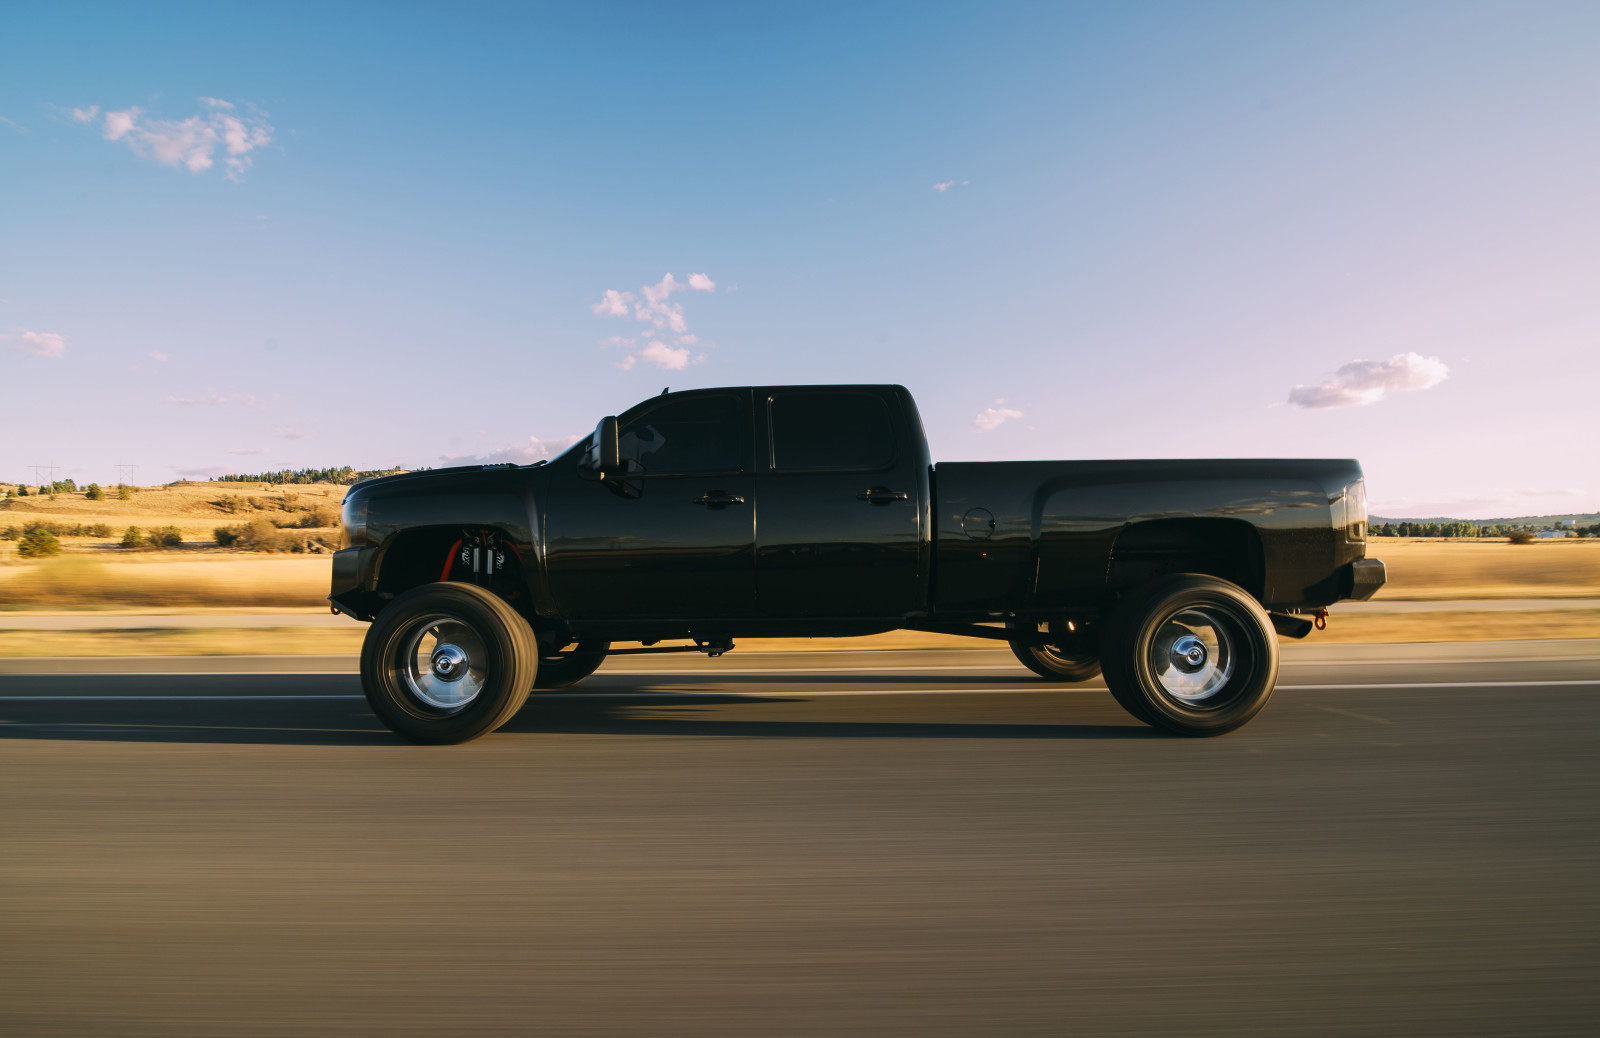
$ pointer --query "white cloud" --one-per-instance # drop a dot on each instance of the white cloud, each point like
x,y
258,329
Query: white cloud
x,y
294,434
653,305
522,454
945,185
1363,382
665,357
246,450
993,417
40,344
191,143
15,126
210,397
158,356
613,304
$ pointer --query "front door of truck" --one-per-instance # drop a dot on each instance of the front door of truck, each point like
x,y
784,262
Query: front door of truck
x,y
837,534
677,540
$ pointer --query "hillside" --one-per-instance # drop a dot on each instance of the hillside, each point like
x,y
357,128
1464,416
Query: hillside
x,y
196,509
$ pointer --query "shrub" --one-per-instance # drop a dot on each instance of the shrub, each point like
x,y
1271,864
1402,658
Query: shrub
x,y
232,504
166,537
38,543
94,493
132,537
1522,537
22,491
10,533
98,530
225,536
259,535
124,492
318,518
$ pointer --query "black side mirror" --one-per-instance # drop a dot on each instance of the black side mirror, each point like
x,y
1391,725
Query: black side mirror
x,y
603,459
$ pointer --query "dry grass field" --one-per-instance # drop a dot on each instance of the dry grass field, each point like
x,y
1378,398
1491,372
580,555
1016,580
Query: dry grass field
x,y
94,574
196,509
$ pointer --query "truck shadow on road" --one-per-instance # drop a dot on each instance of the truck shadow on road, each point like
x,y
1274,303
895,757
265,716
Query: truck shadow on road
x,y
327,710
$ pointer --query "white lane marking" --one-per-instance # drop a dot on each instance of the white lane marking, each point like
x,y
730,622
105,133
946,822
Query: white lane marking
x,y
154,699
1437,684
932,669
803,693
1352,713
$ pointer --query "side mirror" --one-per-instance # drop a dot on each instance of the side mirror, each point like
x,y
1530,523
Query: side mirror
x,y
603,459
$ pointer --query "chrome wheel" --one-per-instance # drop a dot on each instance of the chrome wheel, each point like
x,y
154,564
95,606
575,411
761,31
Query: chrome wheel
x,y
444,663
1192,655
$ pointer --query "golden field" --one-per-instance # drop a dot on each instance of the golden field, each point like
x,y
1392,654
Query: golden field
x,y
94,574
196,509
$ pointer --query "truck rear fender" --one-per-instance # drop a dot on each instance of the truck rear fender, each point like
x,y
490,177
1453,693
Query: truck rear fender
x,y
1226,548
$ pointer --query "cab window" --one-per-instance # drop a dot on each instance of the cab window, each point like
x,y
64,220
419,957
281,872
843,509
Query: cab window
x,y
692,434
830,432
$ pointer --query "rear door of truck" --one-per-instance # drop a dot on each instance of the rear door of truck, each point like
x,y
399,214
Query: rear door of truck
x,y
837,531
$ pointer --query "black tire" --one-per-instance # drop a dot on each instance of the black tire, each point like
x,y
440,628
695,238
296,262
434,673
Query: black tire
x,y
1192,655
445,663
565,669
1073,656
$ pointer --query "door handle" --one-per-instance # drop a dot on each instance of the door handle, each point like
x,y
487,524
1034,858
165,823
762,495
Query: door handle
x,y
881,495
718,499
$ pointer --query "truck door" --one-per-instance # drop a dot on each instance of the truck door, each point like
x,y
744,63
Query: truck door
x,y
677,539
837,533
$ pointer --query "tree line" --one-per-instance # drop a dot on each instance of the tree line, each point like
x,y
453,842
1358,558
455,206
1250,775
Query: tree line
x,y
1465,529
343,474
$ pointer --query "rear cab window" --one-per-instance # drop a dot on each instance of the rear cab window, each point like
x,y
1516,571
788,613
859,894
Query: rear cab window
x,y
829,432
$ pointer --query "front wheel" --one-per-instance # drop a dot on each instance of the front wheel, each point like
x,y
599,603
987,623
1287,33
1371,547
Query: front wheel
x,y
1193,655
447,662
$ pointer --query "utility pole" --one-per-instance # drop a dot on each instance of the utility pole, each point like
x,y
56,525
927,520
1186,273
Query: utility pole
x,y
125,475
37,481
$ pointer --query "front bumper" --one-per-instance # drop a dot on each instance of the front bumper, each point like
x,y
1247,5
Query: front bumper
x,y
353,590
1361,579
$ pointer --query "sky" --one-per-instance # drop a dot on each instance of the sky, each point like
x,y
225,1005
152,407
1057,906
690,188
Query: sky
x,y
241,238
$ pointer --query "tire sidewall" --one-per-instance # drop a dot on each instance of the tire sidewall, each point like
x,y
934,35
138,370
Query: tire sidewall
x,y
510,663
1136,686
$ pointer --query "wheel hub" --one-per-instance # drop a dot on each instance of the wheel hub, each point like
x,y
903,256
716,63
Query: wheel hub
x,y
1189,653
448,661
1193,656
443,663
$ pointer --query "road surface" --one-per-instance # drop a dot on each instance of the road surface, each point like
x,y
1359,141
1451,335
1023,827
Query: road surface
x,y
902,843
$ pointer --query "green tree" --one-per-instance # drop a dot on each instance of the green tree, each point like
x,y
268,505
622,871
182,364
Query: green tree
x,y
124,492
94,493
166,537
132,537
38,543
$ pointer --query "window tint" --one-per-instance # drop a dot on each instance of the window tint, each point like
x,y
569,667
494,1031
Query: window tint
x,y
696,434
830,431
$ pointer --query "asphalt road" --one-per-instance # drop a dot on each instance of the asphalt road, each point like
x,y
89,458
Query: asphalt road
x,y
885,843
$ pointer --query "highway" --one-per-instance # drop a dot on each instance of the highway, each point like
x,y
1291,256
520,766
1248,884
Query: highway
x,y
897,842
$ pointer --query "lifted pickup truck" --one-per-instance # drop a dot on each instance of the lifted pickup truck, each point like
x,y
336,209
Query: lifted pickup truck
x,y
808,511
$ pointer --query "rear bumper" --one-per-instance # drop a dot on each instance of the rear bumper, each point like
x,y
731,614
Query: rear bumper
x,y
1361,579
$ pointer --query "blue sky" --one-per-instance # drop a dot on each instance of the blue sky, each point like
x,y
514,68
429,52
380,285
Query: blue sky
x,y
245,237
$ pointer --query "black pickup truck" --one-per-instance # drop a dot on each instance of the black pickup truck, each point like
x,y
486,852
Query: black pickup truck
x,y
705,516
